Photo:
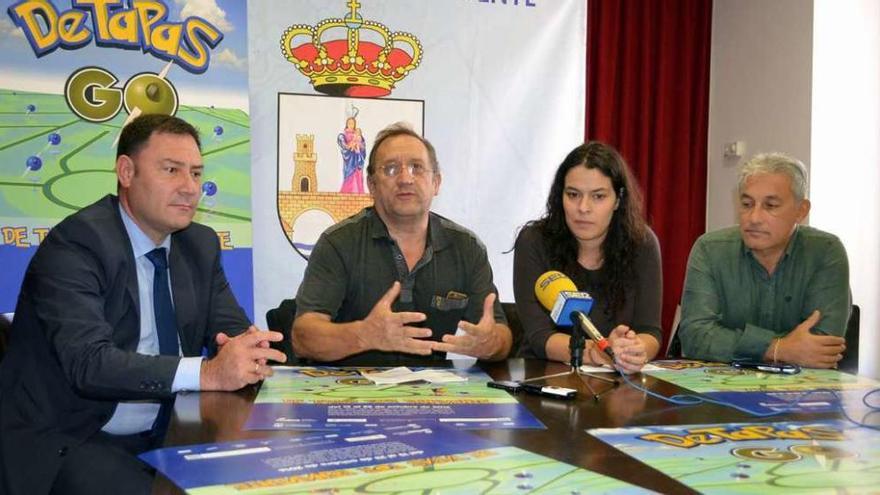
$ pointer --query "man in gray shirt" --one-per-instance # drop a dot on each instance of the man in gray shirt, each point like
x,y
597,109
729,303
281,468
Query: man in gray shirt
x,y
395,281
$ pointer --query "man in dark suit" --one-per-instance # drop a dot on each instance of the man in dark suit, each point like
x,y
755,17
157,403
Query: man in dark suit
x,y
108,326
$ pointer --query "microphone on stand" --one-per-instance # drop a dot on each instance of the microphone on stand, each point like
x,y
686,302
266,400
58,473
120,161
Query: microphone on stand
x,y
569,307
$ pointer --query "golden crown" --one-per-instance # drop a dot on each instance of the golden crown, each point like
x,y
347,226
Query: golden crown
x,y
350,66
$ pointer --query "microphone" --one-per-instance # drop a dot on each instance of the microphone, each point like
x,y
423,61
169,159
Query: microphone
x,y
558,294
595,335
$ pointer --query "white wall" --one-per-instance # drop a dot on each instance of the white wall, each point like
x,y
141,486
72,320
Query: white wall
x,y
788,75
759,89
845,173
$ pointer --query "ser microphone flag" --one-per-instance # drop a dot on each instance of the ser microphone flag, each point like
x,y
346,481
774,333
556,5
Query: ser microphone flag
x,y
568,307
558,294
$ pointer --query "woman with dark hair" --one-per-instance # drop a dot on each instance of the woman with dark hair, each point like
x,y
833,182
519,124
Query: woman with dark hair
x,y
594,232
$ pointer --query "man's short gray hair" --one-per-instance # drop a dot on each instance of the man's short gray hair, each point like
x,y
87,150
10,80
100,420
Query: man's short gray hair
x,y
776,163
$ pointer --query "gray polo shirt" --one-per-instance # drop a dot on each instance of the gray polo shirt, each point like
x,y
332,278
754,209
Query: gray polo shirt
x,y
356,261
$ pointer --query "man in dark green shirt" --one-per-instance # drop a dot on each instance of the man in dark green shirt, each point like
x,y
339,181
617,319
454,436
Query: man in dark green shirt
x,y
771,289
395,281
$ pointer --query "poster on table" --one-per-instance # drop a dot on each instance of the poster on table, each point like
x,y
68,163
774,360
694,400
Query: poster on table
x,y
810,390
411,458
75,72
497,87
304,398
828,456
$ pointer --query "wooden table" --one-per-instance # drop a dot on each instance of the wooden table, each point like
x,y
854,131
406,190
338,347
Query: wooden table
x,y
219,416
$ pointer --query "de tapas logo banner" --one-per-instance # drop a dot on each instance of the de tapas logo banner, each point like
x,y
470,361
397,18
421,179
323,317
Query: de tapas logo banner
x,y
76,71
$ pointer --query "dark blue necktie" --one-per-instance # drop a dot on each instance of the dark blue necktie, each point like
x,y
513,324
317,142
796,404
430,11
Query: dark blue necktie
x,y
166,322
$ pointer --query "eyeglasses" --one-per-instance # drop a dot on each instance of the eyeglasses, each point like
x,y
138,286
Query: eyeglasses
x,y
414,169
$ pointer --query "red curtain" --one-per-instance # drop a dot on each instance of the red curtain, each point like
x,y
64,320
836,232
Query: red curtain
x,y
648,96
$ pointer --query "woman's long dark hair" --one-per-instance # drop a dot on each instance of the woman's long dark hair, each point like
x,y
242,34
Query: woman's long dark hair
x,y
626,231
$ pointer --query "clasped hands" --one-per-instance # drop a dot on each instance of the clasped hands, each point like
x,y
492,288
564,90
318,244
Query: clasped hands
x,y
386,330
240,360
629,351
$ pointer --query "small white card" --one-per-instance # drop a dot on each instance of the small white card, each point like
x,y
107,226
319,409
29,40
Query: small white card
x,y
439,376
608,369
402,374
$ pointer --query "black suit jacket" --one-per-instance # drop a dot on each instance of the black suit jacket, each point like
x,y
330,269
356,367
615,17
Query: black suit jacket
x,y
71,354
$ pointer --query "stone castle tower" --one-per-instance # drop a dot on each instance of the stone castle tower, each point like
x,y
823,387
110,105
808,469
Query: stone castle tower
x,y
304,159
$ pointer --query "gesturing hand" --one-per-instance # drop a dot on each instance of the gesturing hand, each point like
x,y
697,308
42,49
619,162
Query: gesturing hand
x,y
480,341
386,330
